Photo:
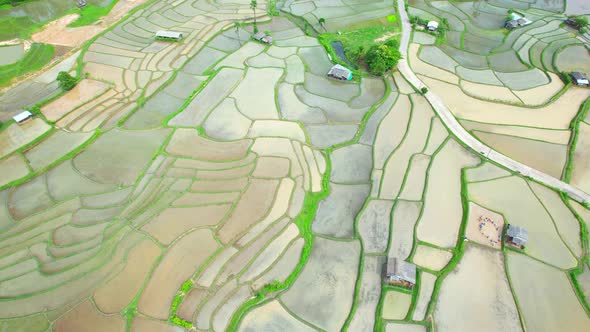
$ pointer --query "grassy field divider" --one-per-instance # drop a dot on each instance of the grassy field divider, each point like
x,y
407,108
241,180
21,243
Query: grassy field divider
x,y
303,221
575,135
583,262
67,156
459,249
36,58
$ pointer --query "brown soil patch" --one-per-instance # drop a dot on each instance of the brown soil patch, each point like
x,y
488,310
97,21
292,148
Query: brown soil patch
x,y
484,226
189,305
171,223
176,267
57,32
220,185
142,324
119,292
272,167
386,37
86,318
192,199
85,91
187,142
253,206
226,174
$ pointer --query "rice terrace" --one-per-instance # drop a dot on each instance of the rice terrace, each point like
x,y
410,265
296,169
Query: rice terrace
x,y
294,165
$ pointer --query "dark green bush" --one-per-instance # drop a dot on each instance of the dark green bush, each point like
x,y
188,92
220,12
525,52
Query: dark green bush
x,y
381,58
66,81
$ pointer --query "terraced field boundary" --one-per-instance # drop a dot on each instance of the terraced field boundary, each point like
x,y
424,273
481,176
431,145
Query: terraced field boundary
x,y
358,283
36,58
585,259
40,171
575,128
459,249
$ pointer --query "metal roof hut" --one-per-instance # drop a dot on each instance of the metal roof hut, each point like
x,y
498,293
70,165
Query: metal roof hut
x,y
511,24
432,26
23,117
340,72
579,79
517,236
261,36
572,23
400,272
169,35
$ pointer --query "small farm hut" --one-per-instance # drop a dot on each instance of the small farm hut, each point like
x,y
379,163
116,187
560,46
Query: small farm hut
x,y
262,37
169,35
23,117
517,236
400,272
579,79
340,72
572,23
511,24
432,26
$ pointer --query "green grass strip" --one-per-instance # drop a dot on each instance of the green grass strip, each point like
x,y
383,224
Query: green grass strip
x,y
36,58
303,222
575,135
91,13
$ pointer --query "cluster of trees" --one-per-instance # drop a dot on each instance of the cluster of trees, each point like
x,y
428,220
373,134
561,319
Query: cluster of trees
x,y
383,57
581,21
66,81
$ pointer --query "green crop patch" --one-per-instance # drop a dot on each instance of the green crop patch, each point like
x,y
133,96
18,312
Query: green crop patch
x,y
360,37
37,57
90,14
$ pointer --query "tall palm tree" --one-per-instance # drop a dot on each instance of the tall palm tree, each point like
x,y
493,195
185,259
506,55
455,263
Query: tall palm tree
x,y
238,26
253,6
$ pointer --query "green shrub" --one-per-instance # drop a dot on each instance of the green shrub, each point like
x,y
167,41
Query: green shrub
x,y
66,81
381,58
424,90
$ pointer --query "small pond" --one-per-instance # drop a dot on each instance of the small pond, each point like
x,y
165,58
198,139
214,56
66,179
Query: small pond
x,y
339,50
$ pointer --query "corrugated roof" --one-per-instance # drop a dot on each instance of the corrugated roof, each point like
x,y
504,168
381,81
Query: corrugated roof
x,y
517,232
259,35
339,71
22,116
169,34
401,269
578,76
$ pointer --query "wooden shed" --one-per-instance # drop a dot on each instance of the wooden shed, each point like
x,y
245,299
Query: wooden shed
x,y
23,117
340,72
516,236
400,272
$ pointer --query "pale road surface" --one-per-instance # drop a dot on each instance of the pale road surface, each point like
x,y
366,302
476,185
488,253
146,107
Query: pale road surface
x,y
453,125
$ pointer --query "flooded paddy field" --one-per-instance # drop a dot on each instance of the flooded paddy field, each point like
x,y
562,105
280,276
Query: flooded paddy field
x,y
221,184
